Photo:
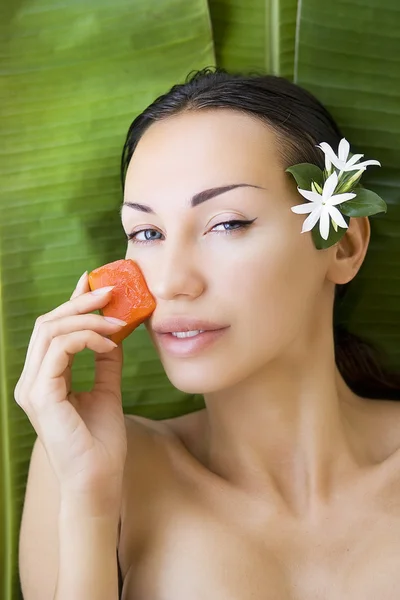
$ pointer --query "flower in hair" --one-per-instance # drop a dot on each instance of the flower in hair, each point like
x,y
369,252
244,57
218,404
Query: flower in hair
x,y
335,194
322,206
340,161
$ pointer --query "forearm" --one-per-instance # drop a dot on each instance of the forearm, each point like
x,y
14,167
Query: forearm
x,y
87,566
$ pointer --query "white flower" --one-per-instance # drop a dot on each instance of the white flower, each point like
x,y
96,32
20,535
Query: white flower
x,y
341,161
322,206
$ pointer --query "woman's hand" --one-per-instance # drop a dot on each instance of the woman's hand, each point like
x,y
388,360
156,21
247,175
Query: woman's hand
x,y
84,434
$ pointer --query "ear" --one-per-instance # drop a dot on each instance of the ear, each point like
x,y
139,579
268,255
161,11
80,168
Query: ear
x,y
349,253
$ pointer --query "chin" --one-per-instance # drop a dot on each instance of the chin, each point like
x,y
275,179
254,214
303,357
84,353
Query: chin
x,y
194,387
198,378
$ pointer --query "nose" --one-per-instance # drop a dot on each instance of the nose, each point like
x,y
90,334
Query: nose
x,y
174,273
177,274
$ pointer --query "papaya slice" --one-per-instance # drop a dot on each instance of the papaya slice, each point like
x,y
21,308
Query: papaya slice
x,y
131,299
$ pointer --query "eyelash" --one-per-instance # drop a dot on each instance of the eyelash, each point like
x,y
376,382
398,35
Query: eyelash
x,y
242,225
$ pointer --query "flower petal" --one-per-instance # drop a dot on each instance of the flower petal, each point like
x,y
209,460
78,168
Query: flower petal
x,y
354,159
328,164
311,219
301,209
337,217
369,162
324,223
312,196
329,186
339,198
343,150
331,155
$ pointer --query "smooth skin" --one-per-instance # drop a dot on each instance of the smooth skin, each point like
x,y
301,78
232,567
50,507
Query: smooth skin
x,y
286,486
83,433
69,529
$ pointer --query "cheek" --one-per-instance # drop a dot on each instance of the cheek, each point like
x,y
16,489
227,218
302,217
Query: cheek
x,y
147,260
271,286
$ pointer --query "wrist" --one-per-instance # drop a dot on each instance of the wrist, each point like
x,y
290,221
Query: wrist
x,y
89,507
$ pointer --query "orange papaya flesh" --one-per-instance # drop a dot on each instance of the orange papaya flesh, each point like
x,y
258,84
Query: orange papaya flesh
x,y
130,300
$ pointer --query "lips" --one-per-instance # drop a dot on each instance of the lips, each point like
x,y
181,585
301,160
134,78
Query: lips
x,y
176,324
192,346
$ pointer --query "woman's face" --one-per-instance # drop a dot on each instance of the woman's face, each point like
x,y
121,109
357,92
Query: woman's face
x,y
261,282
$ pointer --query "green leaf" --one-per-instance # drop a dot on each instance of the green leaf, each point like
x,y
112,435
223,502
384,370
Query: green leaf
x,y
304,173
333,237
365,204
74,76
347,59
255,35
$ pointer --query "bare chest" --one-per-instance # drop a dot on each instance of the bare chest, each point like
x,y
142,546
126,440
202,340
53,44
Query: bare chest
x,y
198,558
196,544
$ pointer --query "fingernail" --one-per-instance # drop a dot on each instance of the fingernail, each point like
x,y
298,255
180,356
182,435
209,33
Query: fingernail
x,y
103,290
116,321
80,280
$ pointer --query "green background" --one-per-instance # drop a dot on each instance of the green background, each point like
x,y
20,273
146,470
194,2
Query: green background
x,y
73,77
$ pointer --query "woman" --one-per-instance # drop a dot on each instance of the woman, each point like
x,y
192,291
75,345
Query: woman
x,y
287,484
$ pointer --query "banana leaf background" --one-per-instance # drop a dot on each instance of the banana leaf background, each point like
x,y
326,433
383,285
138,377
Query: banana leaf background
x,y
74,74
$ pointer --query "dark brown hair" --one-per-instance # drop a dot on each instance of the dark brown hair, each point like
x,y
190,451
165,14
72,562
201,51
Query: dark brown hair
x,y
300,122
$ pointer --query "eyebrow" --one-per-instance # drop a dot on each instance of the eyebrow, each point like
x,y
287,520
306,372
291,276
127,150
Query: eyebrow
x,y
197,199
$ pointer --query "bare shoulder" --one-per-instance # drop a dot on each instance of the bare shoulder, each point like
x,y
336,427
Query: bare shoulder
x,y
380,421
149,446
147,439
186,428
153,456
155,449
143,425
390,411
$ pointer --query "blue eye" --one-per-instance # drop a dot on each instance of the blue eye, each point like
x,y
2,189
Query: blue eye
x,y
133,236
233,226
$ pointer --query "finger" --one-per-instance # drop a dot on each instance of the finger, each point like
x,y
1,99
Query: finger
x,y
108,372
50,382
51,329
81,304
81,287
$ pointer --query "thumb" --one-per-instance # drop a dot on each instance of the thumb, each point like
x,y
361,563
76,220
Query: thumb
x,y
108,371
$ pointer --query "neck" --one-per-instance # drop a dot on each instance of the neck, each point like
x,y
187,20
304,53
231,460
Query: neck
x,y
287,430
